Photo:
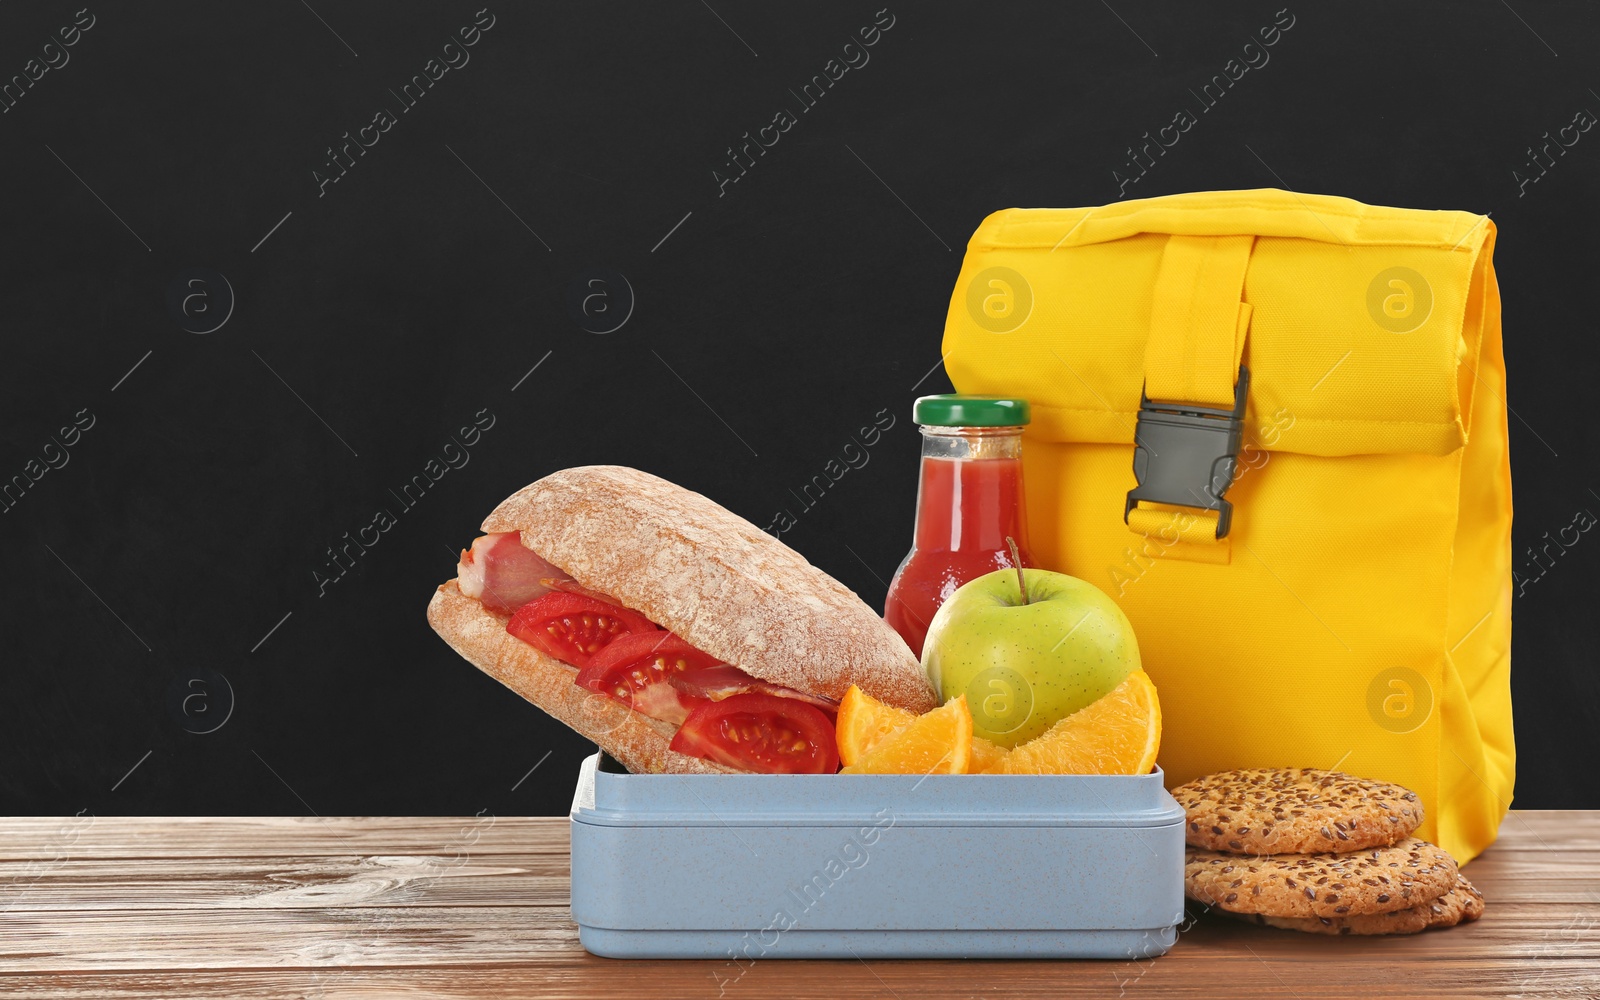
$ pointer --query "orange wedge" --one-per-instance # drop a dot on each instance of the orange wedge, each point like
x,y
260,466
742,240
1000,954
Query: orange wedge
x,y
1118,734
939,742
985,755
864,722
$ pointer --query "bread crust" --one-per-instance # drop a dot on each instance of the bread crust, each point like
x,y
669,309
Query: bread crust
x,y
638,742
715,579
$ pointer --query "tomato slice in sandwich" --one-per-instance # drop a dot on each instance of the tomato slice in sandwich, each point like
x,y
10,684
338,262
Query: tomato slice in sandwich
x,y
574,627
761,732
637,670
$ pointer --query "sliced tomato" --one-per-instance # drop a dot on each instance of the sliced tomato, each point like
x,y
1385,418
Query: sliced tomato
x,y
503,574
637,670
573,628
574,587
761,732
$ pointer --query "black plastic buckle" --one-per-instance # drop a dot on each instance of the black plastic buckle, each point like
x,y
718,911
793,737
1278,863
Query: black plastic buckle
x,y
1186,454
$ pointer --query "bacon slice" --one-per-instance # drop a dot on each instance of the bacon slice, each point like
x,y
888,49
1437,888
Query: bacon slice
x,y
504,575
662,700
725,680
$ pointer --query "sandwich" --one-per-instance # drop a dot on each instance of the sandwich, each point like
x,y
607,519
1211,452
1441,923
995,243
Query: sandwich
x,y
673,633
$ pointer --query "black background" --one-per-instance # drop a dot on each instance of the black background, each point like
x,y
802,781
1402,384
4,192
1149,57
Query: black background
x,y
770,324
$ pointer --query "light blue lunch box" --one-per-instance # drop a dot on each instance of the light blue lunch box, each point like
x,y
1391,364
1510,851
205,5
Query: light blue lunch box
x,y
750,867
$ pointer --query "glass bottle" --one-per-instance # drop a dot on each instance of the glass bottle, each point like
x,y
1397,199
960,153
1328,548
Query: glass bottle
x,y
969,503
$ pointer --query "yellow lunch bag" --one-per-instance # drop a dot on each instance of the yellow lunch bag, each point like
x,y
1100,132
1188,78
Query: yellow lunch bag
x,y
1272,426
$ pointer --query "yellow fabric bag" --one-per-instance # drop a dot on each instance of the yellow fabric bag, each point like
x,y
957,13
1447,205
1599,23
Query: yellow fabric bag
x,y
1355,612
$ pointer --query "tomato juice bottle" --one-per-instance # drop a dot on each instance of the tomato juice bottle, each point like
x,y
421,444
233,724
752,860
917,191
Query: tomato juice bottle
x,y
969,503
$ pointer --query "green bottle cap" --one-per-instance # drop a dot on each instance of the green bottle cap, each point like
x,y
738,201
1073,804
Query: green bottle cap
x,y
957,410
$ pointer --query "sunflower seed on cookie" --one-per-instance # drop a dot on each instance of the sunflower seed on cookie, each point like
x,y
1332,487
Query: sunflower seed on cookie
x,y
1295,810
1462,904
1327,884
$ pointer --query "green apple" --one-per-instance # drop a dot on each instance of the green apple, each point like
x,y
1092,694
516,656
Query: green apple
x,y
1025,665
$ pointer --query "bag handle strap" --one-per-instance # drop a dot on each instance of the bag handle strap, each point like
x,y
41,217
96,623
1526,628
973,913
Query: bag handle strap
x,y
1193,395
1198,321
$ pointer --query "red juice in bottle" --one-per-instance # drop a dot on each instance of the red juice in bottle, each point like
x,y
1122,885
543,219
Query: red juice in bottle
x,y
969,503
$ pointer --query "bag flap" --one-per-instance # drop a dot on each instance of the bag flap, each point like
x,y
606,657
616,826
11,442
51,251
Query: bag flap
x,y
1364,322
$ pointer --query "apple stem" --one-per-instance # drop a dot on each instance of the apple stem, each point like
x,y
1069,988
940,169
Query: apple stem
x,y
1016,560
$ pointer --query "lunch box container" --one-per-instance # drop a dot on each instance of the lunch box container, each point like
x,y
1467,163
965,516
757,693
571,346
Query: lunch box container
x,y
749,866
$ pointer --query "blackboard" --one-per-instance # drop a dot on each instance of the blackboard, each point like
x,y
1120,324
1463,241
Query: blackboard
x,y
268,265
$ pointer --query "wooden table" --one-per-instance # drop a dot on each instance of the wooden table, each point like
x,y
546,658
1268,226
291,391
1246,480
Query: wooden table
x,y
477,907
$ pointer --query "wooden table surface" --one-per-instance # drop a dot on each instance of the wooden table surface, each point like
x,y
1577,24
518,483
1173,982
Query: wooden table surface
x,y
477,907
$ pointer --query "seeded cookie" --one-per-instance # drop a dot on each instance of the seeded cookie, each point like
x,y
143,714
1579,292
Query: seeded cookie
x,y
1465,904
1380,880
1462,904
1292,809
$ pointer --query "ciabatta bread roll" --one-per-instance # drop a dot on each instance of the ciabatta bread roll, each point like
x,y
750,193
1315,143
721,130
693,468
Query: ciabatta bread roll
x,y
696,569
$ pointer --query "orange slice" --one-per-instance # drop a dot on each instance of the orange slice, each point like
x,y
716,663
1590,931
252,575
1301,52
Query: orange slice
x,y
985,755
1118,734
939,742
865,722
